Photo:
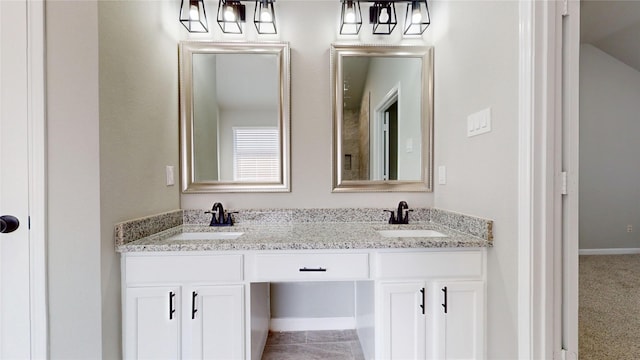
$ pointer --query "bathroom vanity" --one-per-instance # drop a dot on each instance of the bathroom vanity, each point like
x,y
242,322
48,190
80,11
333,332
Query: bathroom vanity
x,y
193,291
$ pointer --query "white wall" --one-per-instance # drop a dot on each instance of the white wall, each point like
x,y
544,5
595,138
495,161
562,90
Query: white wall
x,y
609,128
74,273
476,66
138,130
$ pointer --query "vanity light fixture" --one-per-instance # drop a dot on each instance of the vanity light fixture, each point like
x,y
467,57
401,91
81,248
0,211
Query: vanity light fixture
x,y
193,16
350,18
417,19
264,17
382,15
231,15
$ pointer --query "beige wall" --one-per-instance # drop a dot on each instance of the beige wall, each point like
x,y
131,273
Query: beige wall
x,y
138,130
73,245
609,126
309,38
476,57
92,186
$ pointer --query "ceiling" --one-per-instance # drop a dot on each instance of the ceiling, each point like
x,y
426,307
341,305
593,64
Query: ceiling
x,y
613,27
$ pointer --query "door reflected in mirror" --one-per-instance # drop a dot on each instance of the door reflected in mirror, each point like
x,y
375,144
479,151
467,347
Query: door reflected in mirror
x,y
382,97
234,117
378,92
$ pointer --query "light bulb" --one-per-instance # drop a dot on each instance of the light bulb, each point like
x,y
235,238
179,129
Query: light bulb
x,y
229,14
383,18
350,14
194,14
416,15
265,15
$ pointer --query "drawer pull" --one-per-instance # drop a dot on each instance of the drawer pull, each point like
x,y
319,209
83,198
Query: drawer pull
x,y
320,269
444,290
171,308
193,305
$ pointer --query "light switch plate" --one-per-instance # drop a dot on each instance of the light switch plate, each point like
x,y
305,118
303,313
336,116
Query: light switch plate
x,y
442,175
170,175
479,123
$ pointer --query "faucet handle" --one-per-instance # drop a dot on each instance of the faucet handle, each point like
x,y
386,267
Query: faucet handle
x,y
229,218
392,217
405,216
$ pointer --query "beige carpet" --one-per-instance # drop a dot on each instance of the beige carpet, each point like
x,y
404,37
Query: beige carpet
x,y
609,315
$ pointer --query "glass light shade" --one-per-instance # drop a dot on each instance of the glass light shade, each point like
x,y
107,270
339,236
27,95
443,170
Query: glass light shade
x,y
264,17
417,18
382,14
231,15
193,16
350,18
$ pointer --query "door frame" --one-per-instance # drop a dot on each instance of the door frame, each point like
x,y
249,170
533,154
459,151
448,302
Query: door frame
x,y
36,114
377,157
544,274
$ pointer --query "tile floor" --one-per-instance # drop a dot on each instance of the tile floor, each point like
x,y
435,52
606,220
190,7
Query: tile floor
x,y
311,345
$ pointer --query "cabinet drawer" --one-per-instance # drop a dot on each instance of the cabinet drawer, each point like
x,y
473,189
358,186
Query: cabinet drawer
x,y
310,267
455,264
183,268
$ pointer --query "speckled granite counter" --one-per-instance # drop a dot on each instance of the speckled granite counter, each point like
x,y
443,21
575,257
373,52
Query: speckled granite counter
x,y
303,229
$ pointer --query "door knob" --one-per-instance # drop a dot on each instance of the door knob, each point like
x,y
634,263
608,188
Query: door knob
x,y
8,223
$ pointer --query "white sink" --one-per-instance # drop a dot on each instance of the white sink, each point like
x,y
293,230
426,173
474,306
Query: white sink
x,y
411,233
206,236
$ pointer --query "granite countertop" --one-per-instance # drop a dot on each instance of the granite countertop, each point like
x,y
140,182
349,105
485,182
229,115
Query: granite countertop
x,y
305,236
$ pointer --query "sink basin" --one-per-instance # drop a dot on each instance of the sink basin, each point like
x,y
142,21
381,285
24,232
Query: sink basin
x,y
206,236
411,233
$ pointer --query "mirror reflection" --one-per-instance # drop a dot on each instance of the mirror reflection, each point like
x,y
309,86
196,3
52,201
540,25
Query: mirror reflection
x,y
381,136
234,117
382,118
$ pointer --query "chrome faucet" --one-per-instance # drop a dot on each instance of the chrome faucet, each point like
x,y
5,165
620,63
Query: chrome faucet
x,y
220,217
402,215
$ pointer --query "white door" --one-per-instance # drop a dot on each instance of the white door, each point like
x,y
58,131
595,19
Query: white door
x,y
459,320
15,312
217,322
403,320
152,328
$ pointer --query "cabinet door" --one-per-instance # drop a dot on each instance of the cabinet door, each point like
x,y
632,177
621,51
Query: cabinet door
x,y
403,320
152,323
460,320
217,322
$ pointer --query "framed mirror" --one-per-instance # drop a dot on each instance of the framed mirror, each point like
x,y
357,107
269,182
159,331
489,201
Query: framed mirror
x,y
234,117
382,99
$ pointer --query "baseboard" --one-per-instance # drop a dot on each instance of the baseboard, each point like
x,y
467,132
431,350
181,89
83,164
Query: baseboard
x,y
612,251
307,324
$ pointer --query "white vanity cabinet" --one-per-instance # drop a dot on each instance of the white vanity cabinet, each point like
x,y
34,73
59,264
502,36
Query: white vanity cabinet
x,y
152,322
403,325
216,322
459,319
431,305
215,305
189,307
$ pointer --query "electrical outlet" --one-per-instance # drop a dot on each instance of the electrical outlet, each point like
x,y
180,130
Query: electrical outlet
x,y
629,228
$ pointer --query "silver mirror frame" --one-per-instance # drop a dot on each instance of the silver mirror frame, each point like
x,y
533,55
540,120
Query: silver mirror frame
x,y
338,52
188,182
